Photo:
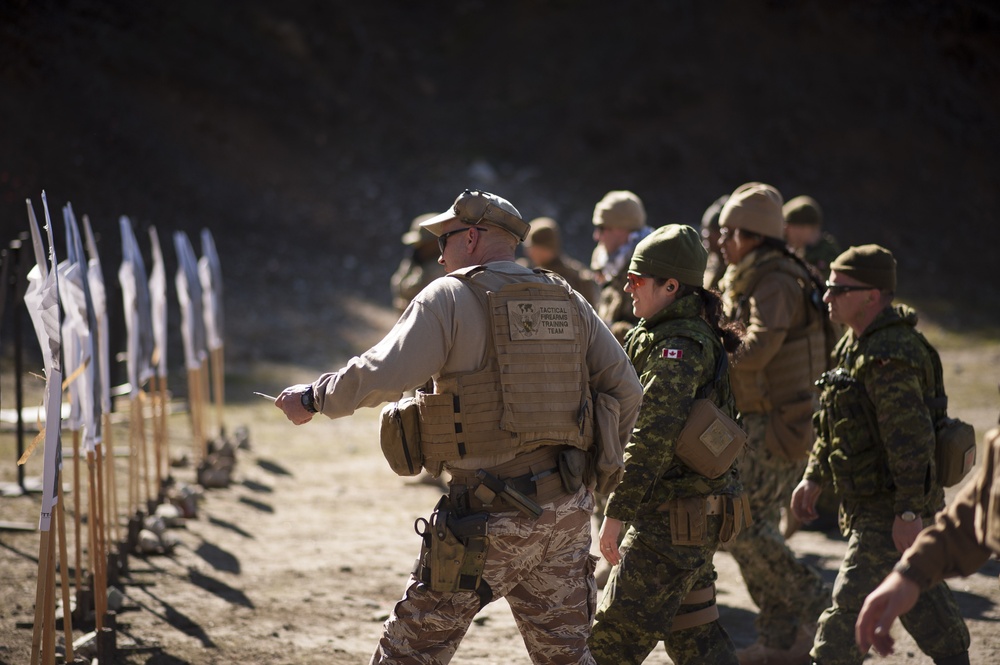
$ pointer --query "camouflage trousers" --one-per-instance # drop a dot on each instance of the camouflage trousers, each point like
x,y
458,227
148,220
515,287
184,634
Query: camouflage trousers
x,y
542,567
787,592
644,594
934,622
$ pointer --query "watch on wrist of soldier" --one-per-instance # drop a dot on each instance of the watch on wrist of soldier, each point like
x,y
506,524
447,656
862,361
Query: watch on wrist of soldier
x,y
308,402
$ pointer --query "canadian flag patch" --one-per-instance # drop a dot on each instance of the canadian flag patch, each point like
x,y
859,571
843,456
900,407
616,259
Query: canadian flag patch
x,y
673,353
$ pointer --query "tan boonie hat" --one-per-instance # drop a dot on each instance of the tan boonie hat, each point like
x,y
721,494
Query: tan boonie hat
x,y
869,264
416,234
544,233
674,250
754,207
477,207
620,209
803,211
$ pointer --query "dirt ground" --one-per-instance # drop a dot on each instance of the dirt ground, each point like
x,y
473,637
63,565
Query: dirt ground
x,y
302,557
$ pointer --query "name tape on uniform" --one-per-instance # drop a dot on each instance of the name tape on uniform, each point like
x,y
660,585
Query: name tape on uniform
x,y
539,319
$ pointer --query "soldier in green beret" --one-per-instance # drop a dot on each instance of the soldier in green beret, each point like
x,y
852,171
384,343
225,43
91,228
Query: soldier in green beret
x,y
875,445
662,584
805,235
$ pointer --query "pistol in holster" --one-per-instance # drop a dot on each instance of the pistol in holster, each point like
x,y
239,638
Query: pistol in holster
x,y
491,486
453,551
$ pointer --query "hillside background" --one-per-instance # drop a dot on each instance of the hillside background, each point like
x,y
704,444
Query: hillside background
x,y
307,134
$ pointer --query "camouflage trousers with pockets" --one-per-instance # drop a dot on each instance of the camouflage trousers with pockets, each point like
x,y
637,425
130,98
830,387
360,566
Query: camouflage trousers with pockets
x,y
934,622
645,592
542,567
787,591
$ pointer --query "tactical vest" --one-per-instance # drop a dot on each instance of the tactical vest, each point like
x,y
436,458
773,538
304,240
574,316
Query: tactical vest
x,y
789,376
847,421
640,343
533,387
783,389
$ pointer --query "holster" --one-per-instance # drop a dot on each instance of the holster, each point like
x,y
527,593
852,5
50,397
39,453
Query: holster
x,y
453,551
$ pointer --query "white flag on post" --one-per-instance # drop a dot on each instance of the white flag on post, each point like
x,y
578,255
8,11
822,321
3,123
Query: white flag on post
x,y
42,301
98,295
158,302
138,320
190,297
78,340
210,276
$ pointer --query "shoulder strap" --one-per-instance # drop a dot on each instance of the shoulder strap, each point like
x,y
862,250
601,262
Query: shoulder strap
x,y
938,404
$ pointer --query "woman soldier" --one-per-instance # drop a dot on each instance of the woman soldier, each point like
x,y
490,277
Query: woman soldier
x,y
662,585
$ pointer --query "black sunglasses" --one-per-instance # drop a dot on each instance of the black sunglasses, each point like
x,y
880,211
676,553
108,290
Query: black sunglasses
x,y
840,289
443,238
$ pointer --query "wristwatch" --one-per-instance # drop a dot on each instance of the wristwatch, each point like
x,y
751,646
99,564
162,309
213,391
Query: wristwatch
x,y
308,403
908,516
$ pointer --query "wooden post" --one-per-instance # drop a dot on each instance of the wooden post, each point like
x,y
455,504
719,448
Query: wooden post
x,y
219,386
67,615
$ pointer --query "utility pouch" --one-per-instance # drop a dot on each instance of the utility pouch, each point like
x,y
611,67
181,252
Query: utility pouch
x,y
955,452
735,517
572,467
399,435
687,521
710,440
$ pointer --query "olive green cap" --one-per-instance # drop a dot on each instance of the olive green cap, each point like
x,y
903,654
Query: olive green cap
x,y
869,264
754,207
544,233
674,250
803,211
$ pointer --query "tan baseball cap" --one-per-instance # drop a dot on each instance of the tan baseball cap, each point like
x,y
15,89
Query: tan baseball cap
x,y
474,207
416,233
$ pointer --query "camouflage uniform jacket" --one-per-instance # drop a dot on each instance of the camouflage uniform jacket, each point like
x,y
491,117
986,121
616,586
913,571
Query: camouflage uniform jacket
x,y
614,307
821,254
875,432
410,279
675,353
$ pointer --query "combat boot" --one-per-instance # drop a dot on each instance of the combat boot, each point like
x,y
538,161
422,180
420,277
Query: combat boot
x,y
960,659
759,653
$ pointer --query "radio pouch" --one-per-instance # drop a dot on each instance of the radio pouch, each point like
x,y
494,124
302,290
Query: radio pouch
x,y
955,452
399,436
710,439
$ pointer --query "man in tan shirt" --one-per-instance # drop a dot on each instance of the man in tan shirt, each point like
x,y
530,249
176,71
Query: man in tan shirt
x,y
452,332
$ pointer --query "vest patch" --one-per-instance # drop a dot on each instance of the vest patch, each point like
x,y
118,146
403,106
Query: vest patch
x,y
673,353
540,319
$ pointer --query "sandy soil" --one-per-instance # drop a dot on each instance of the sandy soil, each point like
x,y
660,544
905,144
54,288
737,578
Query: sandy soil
x,y
301,558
